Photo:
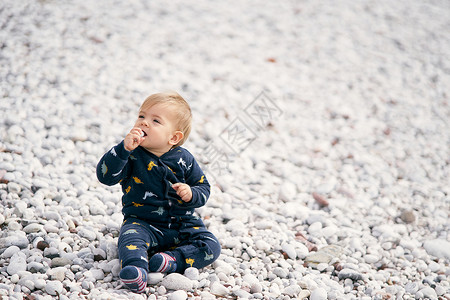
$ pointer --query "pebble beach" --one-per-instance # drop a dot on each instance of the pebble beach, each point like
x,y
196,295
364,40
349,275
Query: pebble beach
x,y
323,127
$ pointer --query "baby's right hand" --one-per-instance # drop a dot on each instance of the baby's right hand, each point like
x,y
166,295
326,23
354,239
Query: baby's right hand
x,y
133,139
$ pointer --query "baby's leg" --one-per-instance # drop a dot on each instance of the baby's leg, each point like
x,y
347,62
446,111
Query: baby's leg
x,y
199,250
133,244
134,240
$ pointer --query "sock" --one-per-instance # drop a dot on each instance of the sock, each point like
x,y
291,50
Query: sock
x,y
134,278
162,262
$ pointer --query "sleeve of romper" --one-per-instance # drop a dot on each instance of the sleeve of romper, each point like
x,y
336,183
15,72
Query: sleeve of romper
x,y
200,187
112,167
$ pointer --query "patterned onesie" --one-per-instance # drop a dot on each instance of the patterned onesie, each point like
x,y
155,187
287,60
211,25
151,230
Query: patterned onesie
x,y
155,218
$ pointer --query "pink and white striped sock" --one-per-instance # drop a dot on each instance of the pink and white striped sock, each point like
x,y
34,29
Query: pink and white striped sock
x,y
162,262
134,278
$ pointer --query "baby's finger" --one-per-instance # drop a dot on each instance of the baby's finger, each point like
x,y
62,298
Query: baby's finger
x,y
176,186
182,193
134,130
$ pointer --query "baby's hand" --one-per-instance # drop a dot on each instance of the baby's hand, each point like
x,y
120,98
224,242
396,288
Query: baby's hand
x,y
183,190
133,139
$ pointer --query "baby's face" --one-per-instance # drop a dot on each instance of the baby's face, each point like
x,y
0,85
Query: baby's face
x,y
158,125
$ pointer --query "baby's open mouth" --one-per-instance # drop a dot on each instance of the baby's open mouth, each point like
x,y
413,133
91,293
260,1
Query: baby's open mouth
x,y
143,133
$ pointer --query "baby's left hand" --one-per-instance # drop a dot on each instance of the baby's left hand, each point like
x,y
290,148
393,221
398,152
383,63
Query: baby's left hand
x,y
183,190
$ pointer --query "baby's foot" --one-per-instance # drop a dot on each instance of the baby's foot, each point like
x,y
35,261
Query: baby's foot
x,y
162,262
134,278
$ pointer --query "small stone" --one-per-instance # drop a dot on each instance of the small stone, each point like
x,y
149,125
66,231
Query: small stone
x,y
60,262
14,187
154,278
218,289
29,284
161,290
17,263
324,255
39,283
322,267
407,216
280,272
438,247
301,250
256,288
304,294
371,259
14,226
315,229
41,245
310,246
54,287
178,295
175,281
289,249
434,267
262,245
207,296
10,251
20,208
440,290
320,199
242,294
52,215
19,239
15,278
349,273
33,227
288,191
99,254
292,290
97,274
428,292
221,266
51,252
35,267
87,234
250,279
58,273
192,273
318,294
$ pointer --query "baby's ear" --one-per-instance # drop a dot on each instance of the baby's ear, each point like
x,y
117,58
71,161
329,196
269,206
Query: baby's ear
x,y
176,137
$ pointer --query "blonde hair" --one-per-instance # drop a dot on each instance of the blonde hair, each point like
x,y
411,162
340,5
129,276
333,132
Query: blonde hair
x,y
182,111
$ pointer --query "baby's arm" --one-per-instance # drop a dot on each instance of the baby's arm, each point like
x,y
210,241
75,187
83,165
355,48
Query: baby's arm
x,y
112,166
196,188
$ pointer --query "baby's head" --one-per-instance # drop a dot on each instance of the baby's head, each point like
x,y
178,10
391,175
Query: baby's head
x,y
178,106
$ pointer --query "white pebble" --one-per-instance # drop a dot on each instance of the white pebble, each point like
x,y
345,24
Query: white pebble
x,y
178,295
428,292
54,287
154,278
289,249
17,263
438,247
175,281
318,294
10,251
33,227
218,289
192,273
262,245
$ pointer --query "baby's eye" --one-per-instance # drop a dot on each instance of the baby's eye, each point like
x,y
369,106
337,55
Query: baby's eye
x,y
156,121
141,117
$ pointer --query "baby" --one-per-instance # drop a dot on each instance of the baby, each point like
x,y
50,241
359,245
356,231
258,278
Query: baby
x,y
162,184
